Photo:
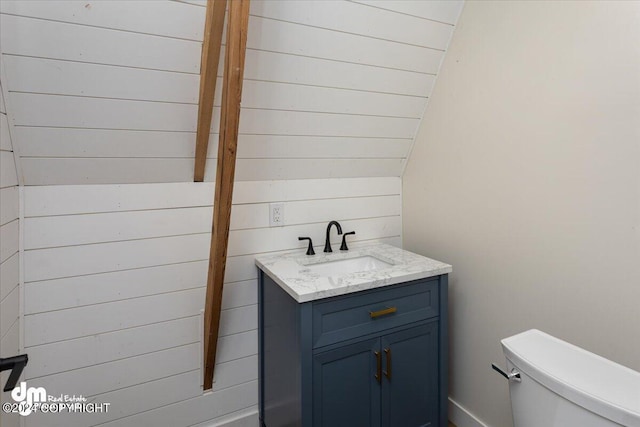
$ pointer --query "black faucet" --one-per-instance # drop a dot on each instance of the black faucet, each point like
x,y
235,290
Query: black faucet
x,y
327,243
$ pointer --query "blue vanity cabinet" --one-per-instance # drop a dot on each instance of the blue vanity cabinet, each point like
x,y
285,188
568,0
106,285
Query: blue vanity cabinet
x,y
410,377
371,358
345,393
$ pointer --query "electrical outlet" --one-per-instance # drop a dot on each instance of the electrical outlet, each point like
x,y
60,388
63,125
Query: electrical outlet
x,y
276,214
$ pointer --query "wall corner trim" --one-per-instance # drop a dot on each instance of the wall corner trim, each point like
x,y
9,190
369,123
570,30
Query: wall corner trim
x,y
15,147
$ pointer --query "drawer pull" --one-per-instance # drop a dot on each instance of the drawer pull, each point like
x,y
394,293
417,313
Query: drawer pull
x,y
383,312
387,373
378,374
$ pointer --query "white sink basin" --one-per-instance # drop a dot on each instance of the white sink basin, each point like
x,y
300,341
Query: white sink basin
x,y
346,266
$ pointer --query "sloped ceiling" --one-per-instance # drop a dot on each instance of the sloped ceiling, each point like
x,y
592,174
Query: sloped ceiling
x,y
107,91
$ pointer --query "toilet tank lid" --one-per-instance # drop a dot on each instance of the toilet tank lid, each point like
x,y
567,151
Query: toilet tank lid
x,y
591,381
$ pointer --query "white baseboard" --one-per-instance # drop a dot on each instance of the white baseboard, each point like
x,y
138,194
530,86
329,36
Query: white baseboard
x,y
461,417
244,418
458,415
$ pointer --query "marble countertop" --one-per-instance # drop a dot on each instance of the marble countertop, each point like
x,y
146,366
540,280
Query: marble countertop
x,y
291,271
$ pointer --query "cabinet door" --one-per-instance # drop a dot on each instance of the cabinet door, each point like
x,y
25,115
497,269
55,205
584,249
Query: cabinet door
x,y
346,392
410,377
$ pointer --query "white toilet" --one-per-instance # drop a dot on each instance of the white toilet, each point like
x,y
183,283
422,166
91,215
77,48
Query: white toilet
x,y
561,385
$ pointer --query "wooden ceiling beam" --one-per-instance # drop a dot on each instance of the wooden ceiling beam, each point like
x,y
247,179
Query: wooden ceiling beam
x,y
212,43
229,122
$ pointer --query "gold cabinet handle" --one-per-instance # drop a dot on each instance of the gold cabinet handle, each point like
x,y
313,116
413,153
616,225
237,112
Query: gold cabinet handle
x,y
378,374
383,312
387,373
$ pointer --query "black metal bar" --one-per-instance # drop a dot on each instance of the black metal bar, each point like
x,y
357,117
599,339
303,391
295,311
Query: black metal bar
x,y
16,364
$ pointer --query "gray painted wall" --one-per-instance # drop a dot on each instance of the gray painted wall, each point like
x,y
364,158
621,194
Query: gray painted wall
x,y
526,177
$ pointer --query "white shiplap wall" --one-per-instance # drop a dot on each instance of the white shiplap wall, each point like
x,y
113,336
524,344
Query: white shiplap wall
x,y
106,91
9,255
114,283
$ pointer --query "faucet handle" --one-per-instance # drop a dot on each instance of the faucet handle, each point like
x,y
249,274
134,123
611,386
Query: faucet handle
x,y
310,250
343,246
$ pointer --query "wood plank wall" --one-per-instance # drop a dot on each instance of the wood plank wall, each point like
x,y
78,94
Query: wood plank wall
x,y
331,89
115,278
115,274
9,255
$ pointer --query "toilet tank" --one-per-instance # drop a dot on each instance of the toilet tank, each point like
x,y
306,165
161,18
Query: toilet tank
x,y
565,386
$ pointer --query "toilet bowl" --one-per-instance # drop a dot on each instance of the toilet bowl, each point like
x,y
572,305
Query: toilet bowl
x,y
561,385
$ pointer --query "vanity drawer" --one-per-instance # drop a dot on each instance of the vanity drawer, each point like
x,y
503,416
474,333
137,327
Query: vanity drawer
x,y
366,312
